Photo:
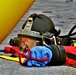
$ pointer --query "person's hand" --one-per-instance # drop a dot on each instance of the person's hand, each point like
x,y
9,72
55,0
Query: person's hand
x,y
39,52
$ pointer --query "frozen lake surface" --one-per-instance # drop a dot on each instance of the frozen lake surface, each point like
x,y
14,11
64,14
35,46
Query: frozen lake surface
x,y
64,17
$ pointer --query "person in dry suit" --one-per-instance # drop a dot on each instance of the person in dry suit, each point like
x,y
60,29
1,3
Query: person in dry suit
x,y
35,29
54,55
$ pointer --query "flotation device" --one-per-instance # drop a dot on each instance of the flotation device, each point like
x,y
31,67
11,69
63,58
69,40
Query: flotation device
x,y
11,11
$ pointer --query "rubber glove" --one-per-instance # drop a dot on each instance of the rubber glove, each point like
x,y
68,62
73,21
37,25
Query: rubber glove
x,y
39,52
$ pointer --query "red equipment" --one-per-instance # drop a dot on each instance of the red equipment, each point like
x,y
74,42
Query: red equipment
x,y
13,50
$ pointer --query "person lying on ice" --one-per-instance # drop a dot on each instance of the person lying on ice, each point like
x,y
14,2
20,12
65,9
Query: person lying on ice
x,y
56,54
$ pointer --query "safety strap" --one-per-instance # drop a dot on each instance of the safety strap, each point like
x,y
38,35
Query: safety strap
x,y
71,56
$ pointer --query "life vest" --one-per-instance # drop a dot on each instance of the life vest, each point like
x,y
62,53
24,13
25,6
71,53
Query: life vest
x,y
62,55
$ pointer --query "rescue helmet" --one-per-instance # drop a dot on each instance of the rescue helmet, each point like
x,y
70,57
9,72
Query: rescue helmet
x,y
39,23
35,27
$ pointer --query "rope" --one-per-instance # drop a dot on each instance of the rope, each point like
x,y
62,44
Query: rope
x,y
14,50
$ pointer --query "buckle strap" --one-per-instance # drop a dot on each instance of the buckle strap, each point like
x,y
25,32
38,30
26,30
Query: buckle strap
x,y
71,56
